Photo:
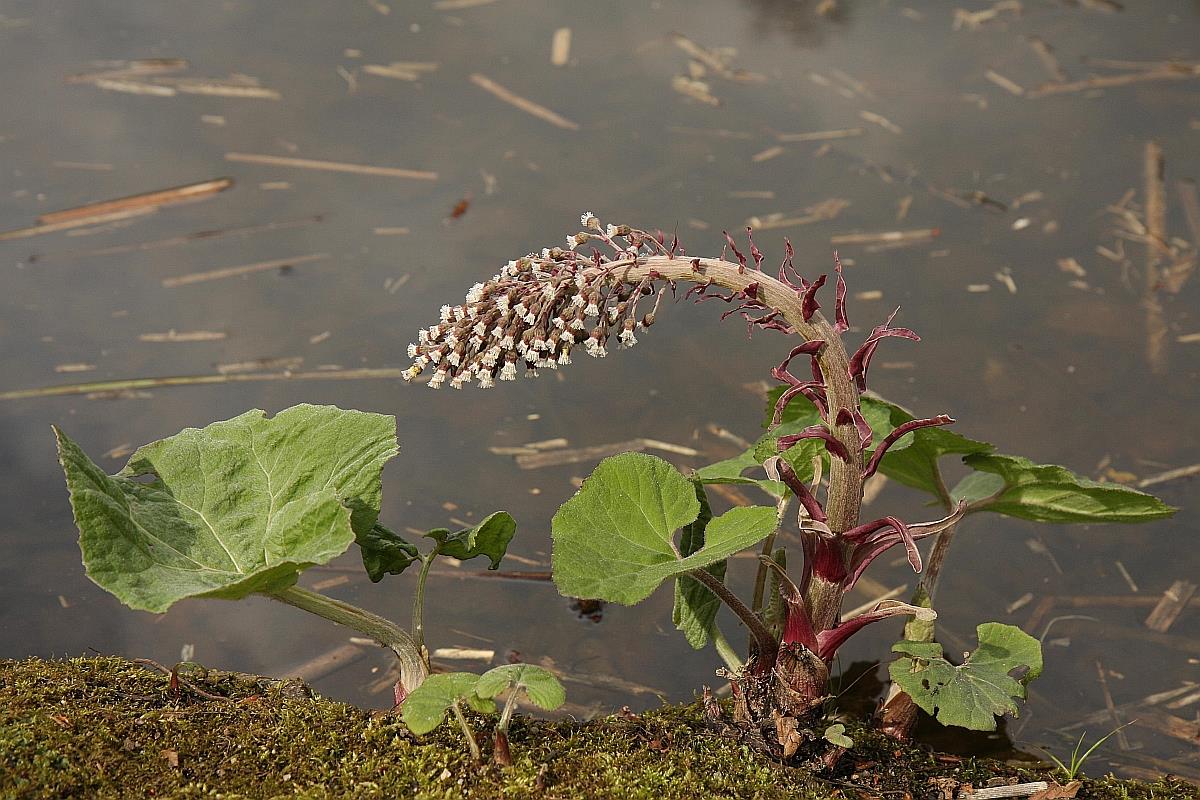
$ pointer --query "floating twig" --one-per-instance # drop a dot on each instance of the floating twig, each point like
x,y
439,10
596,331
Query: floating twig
x,y
1111,81
1172,603
332,166
245,269
560,47
526,105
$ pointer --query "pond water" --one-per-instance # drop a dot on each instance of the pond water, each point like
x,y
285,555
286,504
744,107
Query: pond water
x,y
1039,332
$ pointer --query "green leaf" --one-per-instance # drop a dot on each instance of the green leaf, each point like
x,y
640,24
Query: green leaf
x,y
385,552
913,460
1049,493
976,486
696,606
240,506
730,471
539,684
489,538
836,734
614,539
974,694
426,706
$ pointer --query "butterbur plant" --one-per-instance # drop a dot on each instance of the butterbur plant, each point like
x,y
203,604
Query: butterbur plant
x,y
244,506
425,708
638,522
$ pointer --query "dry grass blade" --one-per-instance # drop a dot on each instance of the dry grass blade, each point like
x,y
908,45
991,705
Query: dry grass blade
x,y
114,387
331,166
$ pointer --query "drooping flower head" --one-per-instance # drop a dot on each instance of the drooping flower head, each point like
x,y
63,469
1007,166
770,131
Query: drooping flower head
x,y
539,309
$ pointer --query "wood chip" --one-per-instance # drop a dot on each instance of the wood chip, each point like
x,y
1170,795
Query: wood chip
x,y
394,231
329,583
331,166
819,136
1045,54
526,105
401,70
182,336
1072,267
695,89
465,654
767,155
881,121
1019,603
1005,83
1170,606
560,47
919,234
1133,587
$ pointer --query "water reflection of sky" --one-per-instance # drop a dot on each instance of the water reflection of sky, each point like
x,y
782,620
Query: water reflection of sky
x,y
1053,371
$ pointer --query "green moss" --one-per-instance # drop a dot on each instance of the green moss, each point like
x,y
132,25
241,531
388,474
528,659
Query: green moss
x,y
107,728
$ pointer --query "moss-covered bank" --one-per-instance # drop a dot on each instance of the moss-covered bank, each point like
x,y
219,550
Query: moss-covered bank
x,y
107,728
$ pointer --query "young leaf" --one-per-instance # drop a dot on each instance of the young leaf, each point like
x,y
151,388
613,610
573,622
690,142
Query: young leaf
x,y
695,605
489,538
539,684
240,506
614,539
974,694
836,734
1049,493
385,552
426,706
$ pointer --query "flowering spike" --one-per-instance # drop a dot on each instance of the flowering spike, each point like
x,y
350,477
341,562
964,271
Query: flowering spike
x,y
816,432
755,253
894,436
741,258
840,324
810,305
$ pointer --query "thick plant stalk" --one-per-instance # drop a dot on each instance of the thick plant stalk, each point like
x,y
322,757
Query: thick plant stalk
x,y
413,670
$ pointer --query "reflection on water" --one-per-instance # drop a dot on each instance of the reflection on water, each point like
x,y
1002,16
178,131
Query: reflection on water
x,y
1027,285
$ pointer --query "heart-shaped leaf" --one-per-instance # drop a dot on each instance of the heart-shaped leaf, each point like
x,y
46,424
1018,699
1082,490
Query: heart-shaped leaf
x,y
1049,493
614,540
240,506
974,694
426,706
539,684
